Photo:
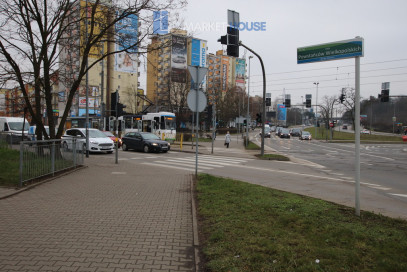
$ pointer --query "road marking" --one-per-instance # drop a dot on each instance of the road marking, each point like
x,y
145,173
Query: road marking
x,y
399,195
172,167
119,173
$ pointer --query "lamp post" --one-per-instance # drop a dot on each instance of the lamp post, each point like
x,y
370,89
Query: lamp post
x,y
248,103
316,110
302,112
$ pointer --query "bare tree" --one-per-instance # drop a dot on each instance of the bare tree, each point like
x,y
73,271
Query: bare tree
x,y
34,33
349,104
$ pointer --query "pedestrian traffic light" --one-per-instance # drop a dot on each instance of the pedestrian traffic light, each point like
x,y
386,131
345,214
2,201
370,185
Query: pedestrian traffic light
x,y
231,39
384,97
308,103
113,103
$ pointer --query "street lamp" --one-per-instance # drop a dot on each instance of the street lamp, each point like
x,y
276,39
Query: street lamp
x,y
316,110
248,101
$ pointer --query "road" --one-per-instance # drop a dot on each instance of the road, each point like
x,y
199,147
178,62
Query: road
x,y
382,165
332,181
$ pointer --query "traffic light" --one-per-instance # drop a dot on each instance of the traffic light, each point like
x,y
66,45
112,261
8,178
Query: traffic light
x,y
342,98
231,39
120,107
308,103
268,101
287,102
113,102
258,117
384,97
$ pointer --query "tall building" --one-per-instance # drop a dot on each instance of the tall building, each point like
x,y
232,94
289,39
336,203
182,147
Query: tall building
x,y
168,58
117,72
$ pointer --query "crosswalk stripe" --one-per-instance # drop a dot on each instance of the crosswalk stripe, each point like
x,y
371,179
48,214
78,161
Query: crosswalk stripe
x,y
225,158
200,162
191,164
171,166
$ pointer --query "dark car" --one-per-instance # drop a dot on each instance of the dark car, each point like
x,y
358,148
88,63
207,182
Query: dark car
x,y
144,141
284,133
295,132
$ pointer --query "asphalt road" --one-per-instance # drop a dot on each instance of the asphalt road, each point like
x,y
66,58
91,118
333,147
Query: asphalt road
x,y
384,165
302,176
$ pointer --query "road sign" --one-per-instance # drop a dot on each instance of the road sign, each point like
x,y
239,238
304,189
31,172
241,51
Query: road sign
x,y
197,73
330,51
191,100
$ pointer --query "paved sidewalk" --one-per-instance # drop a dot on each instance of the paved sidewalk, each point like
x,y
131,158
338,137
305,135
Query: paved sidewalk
x,y
105,217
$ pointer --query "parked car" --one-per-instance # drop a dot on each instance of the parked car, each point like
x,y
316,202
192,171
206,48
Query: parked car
x,y
365,131
98,141
284,133
345,127
33,130
115,139
305,135
295,132
144,141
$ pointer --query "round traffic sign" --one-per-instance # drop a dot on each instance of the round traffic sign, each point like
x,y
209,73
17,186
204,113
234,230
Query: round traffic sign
x,y
191,100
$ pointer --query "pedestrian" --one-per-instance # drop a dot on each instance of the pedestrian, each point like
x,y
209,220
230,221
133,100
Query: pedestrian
x,y
227,139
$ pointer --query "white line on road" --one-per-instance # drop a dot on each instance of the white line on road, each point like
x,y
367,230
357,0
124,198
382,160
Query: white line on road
x,y
399,195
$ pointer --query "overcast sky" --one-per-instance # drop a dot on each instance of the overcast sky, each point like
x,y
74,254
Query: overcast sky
x,y
297,23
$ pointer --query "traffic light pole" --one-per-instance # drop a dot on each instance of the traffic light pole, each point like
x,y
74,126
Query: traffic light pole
x,y
264,96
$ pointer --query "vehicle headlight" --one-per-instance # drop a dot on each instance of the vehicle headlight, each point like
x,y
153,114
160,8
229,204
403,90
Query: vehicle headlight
x,y
154,144
169,144
92,142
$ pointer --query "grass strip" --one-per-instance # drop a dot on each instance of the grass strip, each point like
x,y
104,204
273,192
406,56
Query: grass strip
x,y
247,227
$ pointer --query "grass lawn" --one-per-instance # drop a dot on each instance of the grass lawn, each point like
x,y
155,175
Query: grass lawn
x,y
9,167
247,227
347,136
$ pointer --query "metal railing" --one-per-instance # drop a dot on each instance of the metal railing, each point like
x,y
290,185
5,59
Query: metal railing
x,y
45,158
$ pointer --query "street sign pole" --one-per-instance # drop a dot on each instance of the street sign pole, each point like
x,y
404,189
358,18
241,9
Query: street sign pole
x,y
357,135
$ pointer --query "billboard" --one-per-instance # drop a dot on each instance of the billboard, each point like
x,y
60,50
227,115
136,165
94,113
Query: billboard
x,y
281,112
160,22
240,73
198,53
127,33
179,59
225,72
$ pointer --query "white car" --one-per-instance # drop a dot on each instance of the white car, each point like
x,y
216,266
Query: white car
x,y
98,141
364,131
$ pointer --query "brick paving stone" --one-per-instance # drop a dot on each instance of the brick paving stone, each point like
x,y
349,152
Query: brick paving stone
x,y
94,220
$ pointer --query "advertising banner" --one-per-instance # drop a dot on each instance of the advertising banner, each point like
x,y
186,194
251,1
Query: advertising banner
x,y
281,112
225,73
127,32
240,73
179,59
93,102
160,22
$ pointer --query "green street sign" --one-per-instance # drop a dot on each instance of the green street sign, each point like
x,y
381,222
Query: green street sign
x,y
330,51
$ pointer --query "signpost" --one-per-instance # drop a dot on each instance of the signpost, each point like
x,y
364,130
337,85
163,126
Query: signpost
x,y
341,50
196,101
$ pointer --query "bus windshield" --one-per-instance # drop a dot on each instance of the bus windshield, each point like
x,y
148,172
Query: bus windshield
x,y
170,123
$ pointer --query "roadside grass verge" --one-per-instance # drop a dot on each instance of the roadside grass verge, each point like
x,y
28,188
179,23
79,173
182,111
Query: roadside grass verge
x,y
9,167
252,146
273,157
247,227
324,134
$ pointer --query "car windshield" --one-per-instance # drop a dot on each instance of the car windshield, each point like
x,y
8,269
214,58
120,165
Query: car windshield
x,y
150,136
18,126
94,133
305,133
284,130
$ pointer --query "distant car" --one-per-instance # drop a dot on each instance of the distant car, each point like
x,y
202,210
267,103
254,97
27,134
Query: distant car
x,y
115,139
98,141
267,132
295,132
278,129
305,135
33,130
273,129
284,133
365,131
144,141
345,127
179,59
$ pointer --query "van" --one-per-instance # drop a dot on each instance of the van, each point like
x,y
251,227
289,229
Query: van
x,y
12,129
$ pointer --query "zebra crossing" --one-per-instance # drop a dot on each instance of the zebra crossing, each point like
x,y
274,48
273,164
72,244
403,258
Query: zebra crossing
x,y
205,162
